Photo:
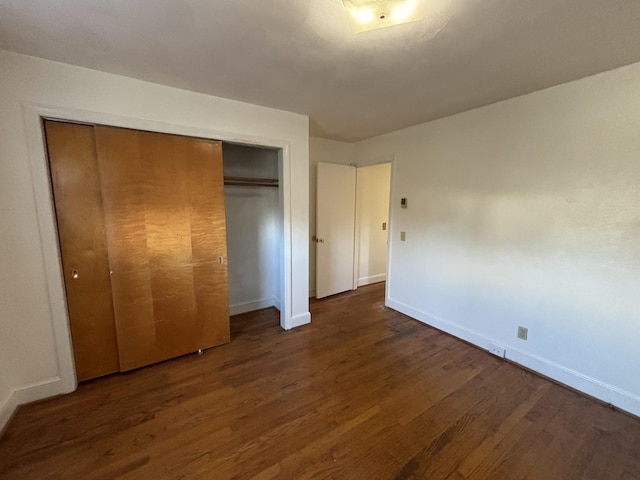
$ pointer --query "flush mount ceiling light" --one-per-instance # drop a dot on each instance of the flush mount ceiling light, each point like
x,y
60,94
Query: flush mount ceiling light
x,y
371,14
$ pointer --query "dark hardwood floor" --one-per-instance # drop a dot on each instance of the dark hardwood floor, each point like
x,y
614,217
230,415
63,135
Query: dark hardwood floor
x,y
362,393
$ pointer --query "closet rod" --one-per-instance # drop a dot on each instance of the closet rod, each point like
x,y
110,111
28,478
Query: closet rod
x,y
251,182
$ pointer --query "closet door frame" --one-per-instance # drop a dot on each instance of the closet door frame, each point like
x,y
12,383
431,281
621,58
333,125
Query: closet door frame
x,y
33,116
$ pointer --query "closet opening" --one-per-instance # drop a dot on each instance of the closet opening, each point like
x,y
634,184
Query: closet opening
x,y
253,208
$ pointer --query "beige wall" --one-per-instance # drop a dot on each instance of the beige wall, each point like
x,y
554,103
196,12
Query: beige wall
x,y
35,354
527,212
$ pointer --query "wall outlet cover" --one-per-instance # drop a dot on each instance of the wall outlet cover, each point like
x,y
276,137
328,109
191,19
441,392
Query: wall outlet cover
x,y
497,350
523,333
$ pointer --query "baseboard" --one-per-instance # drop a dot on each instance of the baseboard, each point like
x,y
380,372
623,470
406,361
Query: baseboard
x,y
298,320
372,279
276,303
31,393
440,323
602,391
593,387
7,410
312,294
253,305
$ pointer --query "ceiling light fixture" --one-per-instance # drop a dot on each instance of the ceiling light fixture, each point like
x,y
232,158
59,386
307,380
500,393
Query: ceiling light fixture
x,y
371,14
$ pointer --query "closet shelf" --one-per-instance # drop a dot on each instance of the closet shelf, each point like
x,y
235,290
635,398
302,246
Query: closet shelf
x,y
251,182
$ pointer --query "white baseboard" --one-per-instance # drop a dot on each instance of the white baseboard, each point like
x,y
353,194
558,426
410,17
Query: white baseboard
x,y
7,409
276,303
253,305
298,320
593,387
372,279
31,393
610,394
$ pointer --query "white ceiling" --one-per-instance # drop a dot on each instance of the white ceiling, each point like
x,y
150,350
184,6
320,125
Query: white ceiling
x,y
300,55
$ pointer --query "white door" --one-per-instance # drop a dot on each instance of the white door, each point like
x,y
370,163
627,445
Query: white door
x,y
335,229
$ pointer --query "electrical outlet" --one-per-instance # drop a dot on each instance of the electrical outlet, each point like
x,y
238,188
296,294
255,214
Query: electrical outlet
x,y
523,333
497,350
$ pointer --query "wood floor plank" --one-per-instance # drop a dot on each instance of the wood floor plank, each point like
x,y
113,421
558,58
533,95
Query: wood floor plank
x,y
364,392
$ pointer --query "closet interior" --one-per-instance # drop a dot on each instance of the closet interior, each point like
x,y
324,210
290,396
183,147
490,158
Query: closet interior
x,y
253,206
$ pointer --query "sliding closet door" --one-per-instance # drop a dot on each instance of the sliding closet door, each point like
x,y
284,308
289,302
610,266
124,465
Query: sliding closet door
x,y
79,213
164,215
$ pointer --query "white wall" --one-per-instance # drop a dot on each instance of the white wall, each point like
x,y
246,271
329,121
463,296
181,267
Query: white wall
x,y
527,212
328,151
372,210
253,222
35,352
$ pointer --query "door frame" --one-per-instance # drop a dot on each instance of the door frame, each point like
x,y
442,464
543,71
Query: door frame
x,y
33,114
356,254
356,246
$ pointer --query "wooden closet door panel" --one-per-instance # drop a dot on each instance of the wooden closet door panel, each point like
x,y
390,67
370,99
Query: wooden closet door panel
x,y
160,214
208,227
83,248
123,199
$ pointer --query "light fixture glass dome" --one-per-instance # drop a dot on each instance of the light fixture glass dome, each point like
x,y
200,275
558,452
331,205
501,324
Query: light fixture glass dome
x,y
371,14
